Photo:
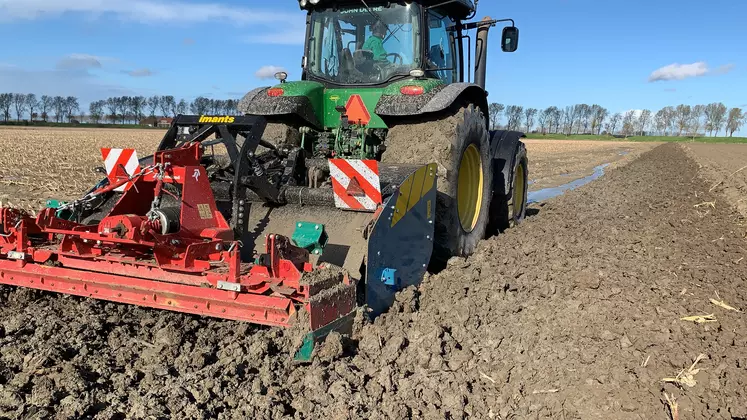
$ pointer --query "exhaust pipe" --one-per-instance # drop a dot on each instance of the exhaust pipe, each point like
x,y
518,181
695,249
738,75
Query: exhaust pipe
x,y
481,53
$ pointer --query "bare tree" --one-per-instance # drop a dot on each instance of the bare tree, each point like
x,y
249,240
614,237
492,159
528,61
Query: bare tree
x,y
715,115
217,106
615,120
529,116
6,100
58,104
19,102
598,115
584,117
181,107
495,110
557,118
138,104
669,115
153,104
696,123
112,104
544,119
96,109
682,118
232,106
32,103
735,120
168,106
514,114
46,106
71,107
201,105
629,123
123,107
660,121
643,121
570,117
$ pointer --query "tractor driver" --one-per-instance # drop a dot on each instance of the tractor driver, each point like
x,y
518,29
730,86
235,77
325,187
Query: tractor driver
x,y
375,43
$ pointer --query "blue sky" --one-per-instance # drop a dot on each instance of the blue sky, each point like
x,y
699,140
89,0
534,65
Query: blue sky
x,y
571,51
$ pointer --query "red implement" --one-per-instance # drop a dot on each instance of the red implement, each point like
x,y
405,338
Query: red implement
x,y
181,256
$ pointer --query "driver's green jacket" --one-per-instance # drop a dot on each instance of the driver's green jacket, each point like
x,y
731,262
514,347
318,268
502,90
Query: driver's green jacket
x,y
376,44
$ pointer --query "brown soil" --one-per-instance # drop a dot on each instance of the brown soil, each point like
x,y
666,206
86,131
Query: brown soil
x,y
557,162
574,314
725,167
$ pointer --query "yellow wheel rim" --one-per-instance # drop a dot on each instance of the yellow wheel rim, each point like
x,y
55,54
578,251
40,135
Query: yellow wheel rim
x,y
470,188
519,190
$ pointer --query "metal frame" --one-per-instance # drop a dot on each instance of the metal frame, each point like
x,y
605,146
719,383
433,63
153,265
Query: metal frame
x,y
128,258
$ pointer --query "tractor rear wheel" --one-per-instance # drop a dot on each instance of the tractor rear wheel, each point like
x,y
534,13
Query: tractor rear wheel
x,y
509,208
459,144
281,134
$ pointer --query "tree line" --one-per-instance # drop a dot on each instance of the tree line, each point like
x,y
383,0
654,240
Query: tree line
x,y
120,109
680,120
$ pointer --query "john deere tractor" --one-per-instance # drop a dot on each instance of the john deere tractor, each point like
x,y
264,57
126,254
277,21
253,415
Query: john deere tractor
x,y
393,81
332,192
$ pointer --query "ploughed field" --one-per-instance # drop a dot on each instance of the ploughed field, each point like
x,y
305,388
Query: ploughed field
x,y
577,313
42,163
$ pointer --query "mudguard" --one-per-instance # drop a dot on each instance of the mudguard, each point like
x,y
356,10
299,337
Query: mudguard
x,y
436,100
257,102
401,241
504,145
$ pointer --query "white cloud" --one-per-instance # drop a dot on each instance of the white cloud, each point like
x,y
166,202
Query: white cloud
x,y
144,11
268,72
79,62
678,71
140,73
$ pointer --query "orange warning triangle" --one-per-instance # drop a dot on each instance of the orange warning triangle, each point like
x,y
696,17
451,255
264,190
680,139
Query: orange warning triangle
x,y
354,188
357,111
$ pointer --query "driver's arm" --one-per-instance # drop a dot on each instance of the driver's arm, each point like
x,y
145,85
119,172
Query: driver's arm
x,y
377,47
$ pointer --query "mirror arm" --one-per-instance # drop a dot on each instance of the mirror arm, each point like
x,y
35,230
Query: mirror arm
x,y
480,24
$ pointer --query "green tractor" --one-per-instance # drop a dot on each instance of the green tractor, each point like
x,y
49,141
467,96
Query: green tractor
x,y
391,81
330,194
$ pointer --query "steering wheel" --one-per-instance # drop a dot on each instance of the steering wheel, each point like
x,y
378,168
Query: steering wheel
x,y
396,56
381,68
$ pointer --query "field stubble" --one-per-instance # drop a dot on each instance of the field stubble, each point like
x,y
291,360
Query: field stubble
x,y
39,164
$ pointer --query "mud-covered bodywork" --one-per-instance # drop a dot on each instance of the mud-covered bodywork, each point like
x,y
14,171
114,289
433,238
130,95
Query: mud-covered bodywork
x,y
317,105
258,102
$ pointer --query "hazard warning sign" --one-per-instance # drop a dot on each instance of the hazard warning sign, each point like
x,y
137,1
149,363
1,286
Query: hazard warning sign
x,y
357,111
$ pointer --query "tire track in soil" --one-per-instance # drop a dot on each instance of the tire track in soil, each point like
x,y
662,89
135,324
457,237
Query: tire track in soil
x,y
572,301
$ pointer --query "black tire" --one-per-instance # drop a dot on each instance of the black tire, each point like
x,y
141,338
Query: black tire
x,y
281,134
509,208
448,141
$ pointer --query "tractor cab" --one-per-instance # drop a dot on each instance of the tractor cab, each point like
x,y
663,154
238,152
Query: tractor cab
x,y
377,43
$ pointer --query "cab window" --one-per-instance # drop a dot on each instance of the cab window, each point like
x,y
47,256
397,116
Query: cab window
x,y
441,53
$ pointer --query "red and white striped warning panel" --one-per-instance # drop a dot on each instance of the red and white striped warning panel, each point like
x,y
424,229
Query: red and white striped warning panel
x,y
127,158
356,184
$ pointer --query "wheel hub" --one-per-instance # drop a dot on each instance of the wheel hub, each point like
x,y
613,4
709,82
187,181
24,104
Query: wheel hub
x,y
470,188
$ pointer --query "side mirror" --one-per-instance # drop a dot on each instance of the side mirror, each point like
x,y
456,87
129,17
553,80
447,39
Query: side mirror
x,y
510,42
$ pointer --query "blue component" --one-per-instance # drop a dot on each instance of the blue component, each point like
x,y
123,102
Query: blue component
x,y
403,248
389,277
